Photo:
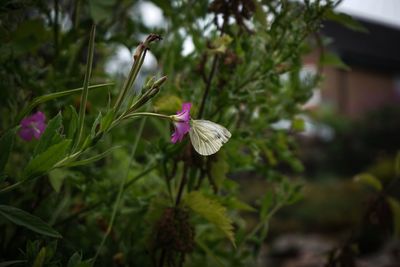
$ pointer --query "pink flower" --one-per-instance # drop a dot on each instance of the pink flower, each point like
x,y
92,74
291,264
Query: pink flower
x,y
181,123
33,126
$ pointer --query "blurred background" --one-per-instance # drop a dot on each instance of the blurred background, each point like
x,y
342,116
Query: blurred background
x,y
352,128
350,141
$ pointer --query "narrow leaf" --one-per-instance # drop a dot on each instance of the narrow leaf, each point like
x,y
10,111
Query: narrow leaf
x,y
395,207
46,160
44,98
91,159
346,20
85,91
331,59
56,178
96,125
9,263
40,258
370,180
50,136
25,219
73,123
212,211
75,260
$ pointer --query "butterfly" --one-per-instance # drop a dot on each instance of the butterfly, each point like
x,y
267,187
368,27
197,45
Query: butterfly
x,y
207,137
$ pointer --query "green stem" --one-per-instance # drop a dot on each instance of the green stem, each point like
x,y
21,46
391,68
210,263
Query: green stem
x,y
120,191
138,114
131,79
85,91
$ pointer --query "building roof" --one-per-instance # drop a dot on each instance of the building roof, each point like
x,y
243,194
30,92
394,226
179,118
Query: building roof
x,y
378,49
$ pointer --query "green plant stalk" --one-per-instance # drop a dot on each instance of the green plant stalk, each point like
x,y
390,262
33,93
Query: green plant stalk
x,y
138,114
120,190
42,99
85,92
131,79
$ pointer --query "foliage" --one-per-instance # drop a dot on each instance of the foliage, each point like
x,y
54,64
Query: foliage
x,y
111,205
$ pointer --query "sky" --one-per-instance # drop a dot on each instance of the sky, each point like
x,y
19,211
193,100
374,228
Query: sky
x,y
384,11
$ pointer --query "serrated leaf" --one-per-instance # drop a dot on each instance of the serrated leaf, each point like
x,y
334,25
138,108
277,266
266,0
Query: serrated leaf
x,y
6,145
50,136
331,59
25,219
345,20
237,204
370,180
40,258
395,208
219,168
212,211
46,160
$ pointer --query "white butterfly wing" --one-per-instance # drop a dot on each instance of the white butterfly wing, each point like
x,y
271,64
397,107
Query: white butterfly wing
x,y
207,137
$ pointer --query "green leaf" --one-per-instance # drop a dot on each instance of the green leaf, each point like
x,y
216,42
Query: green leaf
x,y
46,160
9,263
56,178
331,59
260,16
95,126
298,125
50,136
395,207
266,204
397,164
345,20
91,159
220,44
168,104
235,203
219,168
23,218
107,120
75,260
212,211
44,98
73,123
370,180
40,258
6,145
210,253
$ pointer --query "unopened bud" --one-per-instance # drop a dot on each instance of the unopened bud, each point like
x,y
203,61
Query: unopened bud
x,y
153,92
138,52
159,82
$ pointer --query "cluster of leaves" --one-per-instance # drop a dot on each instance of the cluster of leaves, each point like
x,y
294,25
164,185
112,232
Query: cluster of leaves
x,y
244,73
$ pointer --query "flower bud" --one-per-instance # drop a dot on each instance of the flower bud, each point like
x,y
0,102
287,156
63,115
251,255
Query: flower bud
x,y
160,81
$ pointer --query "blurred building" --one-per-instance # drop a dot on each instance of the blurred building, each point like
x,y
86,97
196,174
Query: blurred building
x,y
373,80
